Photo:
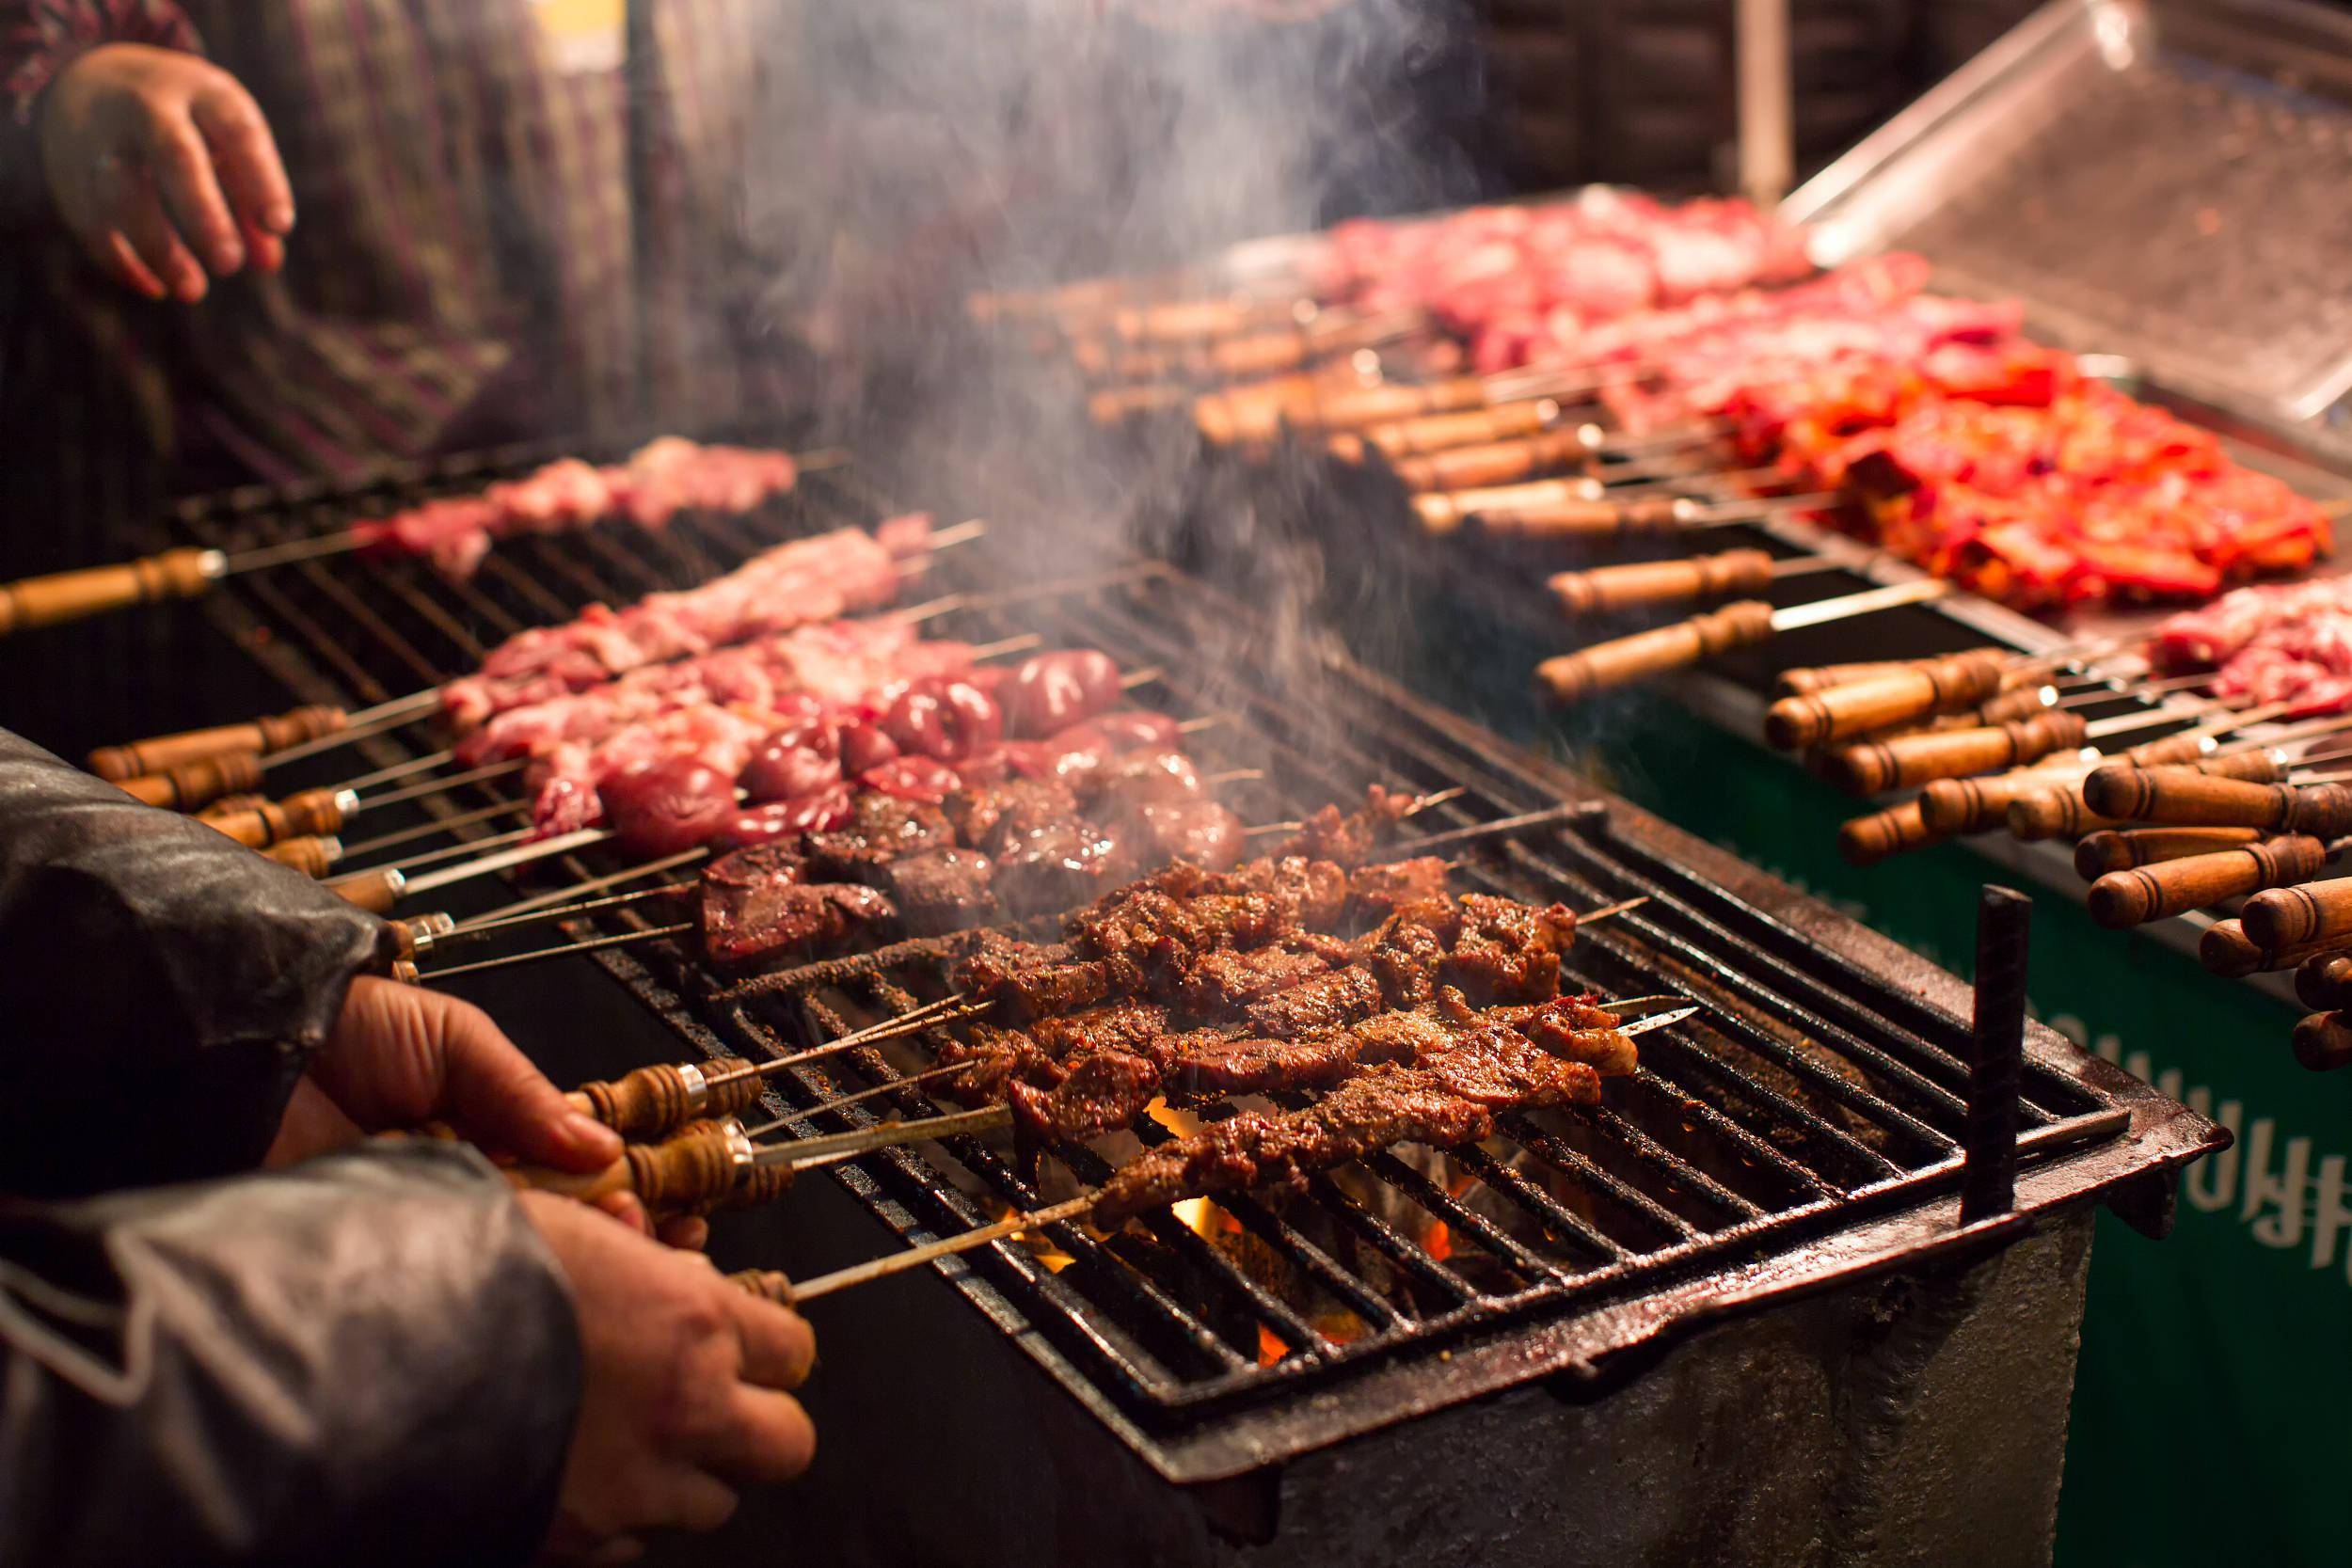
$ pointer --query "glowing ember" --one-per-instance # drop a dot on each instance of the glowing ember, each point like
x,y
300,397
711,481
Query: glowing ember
x,y
1270,1347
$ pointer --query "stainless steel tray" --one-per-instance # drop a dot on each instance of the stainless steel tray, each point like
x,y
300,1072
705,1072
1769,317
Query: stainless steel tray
x,y
2156,179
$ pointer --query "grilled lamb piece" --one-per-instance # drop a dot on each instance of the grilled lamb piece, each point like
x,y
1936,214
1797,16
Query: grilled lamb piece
x,y
755,904
1449,1098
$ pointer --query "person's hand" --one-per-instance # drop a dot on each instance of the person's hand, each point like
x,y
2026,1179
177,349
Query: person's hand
x,y
400,1056
683,1387
161,166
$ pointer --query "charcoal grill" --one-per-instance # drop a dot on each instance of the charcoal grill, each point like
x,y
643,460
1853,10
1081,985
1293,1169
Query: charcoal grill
x,y
1801,1138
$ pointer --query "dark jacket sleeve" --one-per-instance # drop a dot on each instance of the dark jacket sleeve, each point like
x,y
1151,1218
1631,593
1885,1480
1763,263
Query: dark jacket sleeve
x,y
160,987
367,1359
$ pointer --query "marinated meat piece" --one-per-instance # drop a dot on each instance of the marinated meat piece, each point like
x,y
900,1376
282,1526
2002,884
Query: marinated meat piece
x,y
1574,1028
1124,1026
1102,1093
793,918
1214,1064
1000,1058
1154,934
1201,831
940,890
983,817
1219,982
1141,778
742,893
1446,1103
1509,951
1056,867
1030,981
1347,839
1374,892
1321,1005
883,827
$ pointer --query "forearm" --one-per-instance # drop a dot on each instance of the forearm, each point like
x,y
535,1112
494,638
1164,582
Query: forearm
x,y
367,1359
155,979
38,38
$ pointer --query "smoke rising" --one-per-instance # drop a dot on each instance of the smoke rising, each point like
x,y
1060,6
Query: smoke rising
x,y
918,154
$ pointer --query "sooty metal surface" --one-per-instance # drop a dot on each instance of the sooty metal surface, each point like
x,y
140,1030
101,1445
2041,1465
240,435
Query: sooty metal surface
x,y
1803,1132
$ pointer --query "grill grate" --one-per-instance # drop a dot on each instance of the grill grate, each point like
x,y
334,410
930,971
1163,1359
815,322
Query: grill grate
x,y
1821,1093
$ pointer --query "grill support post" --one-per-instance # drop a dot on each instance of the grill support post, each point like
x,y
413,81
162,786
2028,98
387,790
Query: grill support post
x,y
1996,1074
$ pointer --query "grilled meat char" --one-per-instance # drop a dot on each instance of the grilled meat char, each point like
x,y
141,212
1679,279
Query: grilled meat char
x,y
1485,949
940,890
1446,1100
757,903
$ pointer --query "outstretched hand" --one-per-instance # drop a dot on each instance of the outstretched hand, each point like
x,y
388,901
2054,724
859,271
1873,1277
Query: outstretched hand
x,y
160,164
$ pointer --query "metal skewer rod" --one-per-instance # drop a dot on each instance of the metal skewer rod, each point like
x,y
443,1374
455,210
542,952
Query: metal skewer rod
x,y
398,770
540,901
450,852
826,1148
927,1075
586,945
374,721
563,843
436,786
2123,723
426,830
1009,645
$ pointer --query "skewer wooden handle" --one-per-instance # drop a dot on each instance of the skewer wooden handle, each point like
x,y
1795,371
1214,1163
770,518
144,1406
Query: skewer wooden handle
x,y
1589,521
1979,805
2018,702
2325,984
273,733
1876,703
229,804
1804,679
1869,839
2226,950
2064,811
1246,415
2159,892
652,1100
2322,1042
196,783
2111,849
2293,916
1117,404
1190,320
309,812
698,1166
313,856
1572,676
1470,427
376,892
1912,759
1493,462
1639,584
2186,796
2054,811
46,601
1353,408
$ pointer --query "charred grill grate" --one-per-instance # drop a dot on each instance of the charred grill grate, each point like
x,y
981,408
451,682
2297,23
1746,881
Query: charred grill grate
x,y
1819,1094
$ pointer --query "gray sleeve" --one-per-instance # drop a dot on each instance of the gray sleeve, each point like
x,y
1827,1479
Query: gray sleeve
x,y
370,1358
156,979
